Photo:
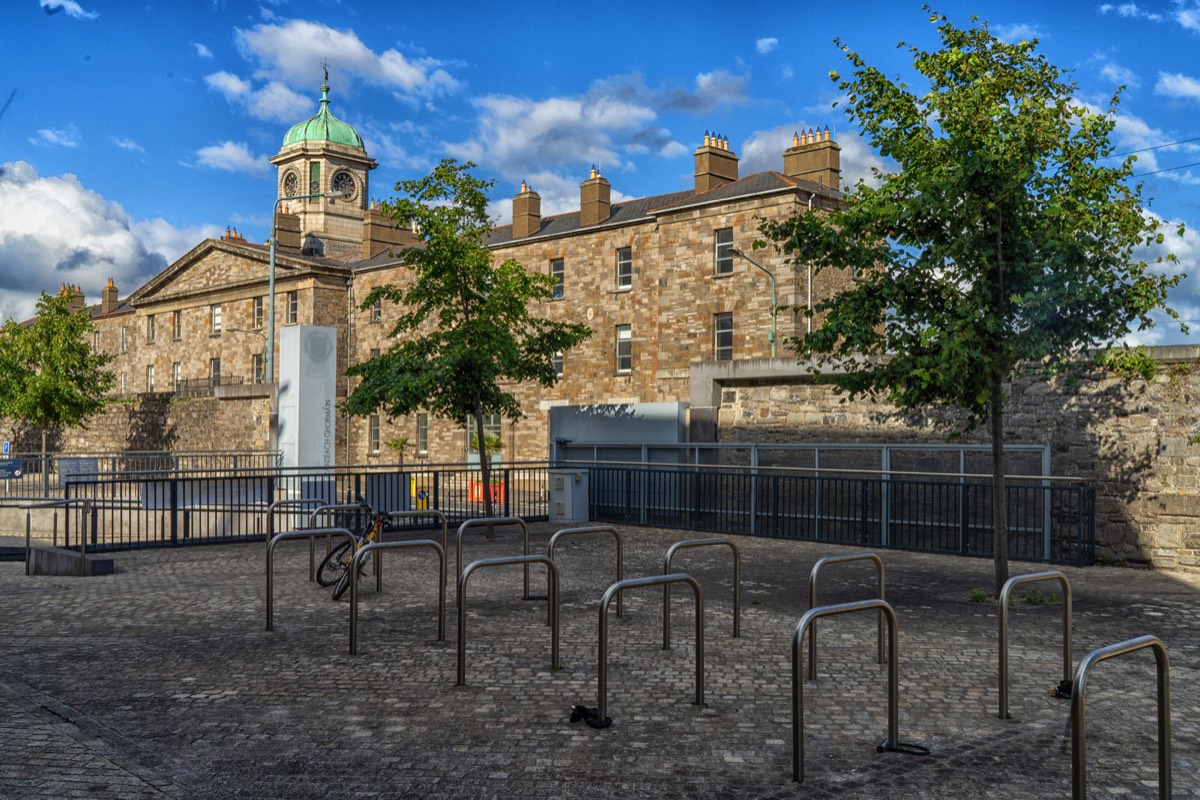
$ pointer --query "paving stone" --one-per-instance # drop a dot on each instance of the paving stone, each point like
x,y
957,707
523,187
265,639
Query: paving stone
x,y
159,681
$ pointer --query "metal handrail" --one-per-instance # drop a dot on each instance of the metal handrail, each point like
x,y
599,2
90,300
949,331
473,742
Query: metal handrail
x,y
812,600
372,547
484,522
737,582
66,503
631,583
892,743
286,536
1002,607
526,560
296,503
1079,723
594,529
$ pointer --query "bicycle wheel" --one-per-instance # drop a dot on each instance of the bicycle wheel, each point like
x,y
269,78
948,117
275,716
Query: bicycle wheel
x,y
343,583
333,566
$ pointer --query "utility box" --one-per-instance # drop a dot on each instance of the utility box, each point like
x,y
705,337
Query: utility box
x,y
569,495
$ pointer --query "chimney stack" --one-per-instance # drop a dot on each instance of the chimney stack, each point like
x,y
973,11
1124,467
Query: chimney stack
x,y
814,157
526,212
108,298
716,164
595,199
75,293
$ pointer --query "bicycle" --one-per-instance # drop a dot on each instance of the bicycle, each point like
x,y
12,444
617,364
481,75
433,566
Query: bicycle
x,y
334,569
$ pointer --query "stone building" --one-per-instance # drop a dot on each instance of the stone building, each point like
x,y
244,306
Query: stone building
x,y
661,281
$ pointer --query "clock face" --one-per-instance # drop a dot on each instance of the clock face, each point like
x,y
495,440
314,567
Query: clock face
x,y
343,184
291,185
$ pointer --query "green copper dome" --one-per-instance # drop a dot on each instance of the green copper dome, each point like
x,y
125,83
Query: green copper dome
x,y
323,127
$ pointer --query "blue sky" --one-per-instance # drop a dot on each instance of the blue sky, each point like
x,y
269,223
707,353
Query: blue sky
x,y
129,131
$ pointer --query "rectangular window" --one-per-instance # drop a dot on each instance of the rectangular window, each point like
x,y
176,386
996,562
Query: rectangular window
x,y
214,369
257,313
176,376
723,336
150,329
557,274
314,177
293,308
374,352
177,325
373,433
422,433
214,316
377,310
491,430
723,250
624,267
149,377
124,384
556,361
257,368
624,349
125,339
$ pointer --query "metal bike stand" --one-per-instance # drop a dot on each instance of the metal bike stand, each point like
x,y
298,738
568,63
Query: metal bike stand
x,y
631,583
371,547
312,522
302,502
414,515
892,742
594,529
1079,723
812,601
88,506
484,522
1064,687
737,583
552,576
309,534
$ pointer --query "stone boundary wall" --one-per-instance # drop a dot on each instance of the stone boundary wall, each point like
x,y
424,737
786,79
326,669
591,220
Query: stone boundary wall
x,y
1130,440
162,422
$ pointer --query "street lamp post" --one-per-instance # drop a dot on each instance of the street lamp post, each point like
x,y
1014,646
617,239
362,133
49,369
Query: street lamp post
x,y
774,300
271,279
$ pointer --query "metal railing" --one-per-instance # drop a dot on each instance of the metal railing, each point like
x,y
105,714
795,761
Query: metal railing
x,y
1049,520
589,530
181,507
377,549
270,568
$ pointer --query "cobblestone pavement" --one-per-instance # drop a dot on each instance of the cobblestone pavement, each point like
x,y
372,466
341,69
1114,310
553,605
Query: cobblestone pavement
x,y
160,681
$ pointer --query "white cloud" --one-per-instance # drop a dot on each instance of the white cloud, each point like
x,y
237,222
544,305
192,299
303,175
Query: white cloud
x,y
1189,18
55,230
287,52
273,101
764,151
1130,11
1019,32
57,137
764,46
202,51
72,8
1174,84
1112,71
128,144
232,157
1184,298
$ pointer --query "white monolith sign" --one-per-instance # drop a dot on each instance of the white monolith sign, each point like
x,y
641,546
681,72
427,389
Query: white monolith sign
x,y
307,395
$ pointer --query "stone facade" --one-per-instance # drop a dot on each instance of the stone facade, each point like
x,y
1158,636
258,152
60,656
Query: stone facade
x,y
1132,441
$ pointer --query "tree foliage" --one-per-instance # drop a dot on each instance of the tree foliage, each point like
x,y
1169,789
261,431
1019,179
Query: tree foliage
x,y
1008,239
49,376
467,328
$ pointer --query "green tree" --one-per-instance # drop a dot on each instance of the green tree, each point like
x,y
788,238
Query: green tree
x,y
466,325
1008,240
49,376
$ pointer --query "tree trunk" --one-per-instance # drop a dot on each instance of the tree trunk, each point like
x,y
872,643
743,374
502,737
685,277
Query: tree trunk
x,y
484,462
999,492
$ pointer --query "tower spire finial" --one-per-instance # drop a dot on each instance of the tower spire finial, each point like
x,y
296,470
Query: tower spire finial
x,y
325,66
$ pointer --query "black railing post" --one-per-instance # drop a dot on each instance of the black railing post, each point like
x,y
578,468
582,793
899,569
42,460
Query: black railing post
x,y
774,506
506,487
436,490
865,509
66,516
628,495
174,489
964,515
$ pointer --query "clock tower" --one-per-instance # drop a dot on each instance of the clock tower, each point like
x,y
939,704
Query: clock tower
x,y
323,156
